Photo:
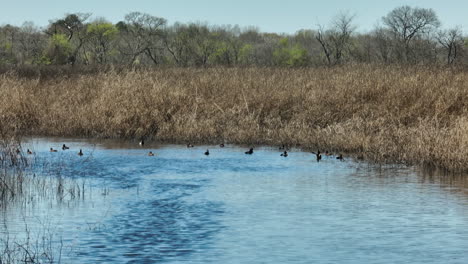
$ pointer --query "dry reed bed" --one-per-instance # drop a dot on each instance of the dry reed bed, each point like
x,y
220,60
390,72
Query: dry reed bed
x,y
383,113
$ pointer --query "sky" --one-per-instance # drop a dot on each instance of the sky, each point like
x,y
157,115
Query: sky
x,y
286,16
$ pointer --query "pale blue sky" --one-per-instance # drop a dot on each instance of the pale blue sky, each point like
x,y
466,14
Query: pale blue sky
x,y
270,16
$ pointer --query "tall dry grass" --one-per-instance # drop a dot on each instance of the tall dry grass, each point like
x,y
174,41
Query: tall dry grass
x,y
383,113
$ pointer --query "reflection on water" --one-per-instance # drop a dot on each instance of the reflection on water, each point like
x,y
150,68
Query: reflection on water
x,y
182,206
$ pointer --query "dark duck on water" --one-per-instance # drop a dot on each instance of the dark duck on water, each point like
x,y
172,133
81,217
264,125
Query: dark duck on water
x,y
318,155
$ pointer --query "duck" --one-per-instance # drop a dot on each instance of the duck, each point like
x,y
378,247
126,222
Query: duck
x,y
64,147
284,154
221,145
142,142
53,150
207,152
318,155
29,152
250,152
150,153
80,153
189,145
340,157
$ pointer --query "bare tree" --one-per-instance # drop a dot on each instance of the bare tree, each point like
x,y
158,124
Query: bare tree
x,y
452,41
191,44
203,44
341,36
31,43
8,44
141,34
336,40
228,45
177,42
407,22
383,43
363,49
322,38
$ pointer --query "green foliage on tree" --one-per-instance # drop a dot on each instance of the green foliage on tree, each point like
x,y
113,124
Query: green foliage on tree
x,y
7,54
407,35
290,55
298,56
58,51
245,54
222,53
101,36
104,30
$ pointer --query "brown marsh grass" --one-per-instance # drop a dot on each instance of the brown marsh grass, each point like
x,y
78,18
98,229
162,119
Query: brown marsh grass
x,y
402,114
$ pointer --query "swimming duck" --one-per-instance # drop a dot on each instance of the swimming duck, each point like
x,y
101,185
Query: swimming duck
x,y
318,155
29,152
53,150
284,154
80,153
189,145
207,152
221,145
250,152
64,147
150,153
340,157
142,142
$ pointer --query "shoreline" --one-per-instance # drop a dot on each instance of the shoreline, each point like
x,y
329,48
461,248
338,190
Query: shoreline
x,y
109,143
386,114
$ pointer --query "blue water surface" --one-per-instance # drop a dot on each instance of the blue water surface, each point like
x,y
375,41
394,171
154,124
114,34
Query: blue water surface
x,y
181,206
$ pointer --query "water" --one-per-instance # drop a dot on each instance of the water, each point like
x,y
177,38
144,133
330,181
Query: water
x,y
184,207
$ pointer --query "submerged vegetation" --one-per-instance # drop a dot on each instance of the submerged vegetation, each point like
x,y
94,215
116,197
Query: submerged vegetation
x,y
403,114
27,179
25,182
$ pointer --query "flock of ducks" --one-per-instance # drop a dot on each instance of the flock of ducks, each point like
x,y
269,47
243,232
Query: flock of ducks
x,y
207,152
285,149
317,154
64,147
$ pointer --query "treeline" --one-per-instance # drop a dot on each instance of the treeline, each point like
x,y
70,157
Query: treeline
x,y
407,35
